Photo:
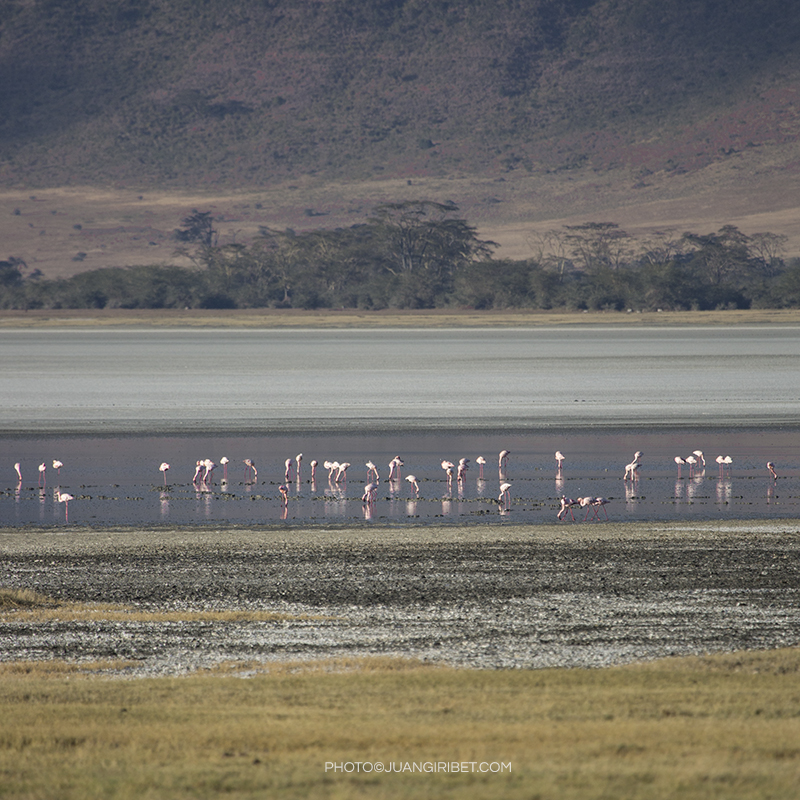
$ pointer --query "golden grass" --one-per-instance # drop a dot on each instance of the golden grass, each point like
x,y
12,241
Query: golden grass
x,y
716,727
350,318
24,605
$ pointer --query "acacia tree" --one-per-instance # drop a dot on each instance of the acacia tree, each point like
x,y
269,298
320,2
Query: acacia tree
x,y
423,246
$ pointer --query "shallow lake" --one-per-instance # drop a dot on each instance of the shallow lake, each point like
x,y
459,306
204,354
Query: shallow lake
x,y
113,404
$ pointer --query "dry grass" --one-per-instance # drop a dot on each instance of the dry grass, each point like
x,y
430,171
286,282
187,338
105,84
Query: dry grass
x,y
23,605
382,319
717,727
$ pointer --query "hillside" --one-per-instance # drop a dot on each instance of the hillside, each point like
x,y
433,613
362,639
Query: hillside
x,y
306,112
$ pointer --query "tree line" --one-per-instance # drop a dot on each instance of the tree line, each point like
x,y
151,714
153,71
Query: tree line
x,y
421,254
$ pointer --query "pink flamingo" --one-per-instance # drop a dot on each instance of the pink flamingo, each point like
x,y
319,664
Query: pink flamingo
x,y
164,468
341,474
505,494
198,468
57,465
42,474
502,461
209,467
314,469
692,462
480,461
559,461
19,472
224,461
412,479
586,502
771,468
680,462
65,498
463,466
700,457
287,469
372,471
394,468
370,491
599,502
298,460
250,465
566,505
632,469
284,490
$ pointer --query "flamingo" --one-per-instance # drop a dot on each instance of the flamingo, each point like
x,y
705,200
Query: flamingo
x,y
721,461
449,472
209,467
249,464
586,502
680,462
412,479
314,469
463,466
370,491
692,462
394,468
224,461
701,458
198,468
728,461
559,460
505,495
298,459
502,461
287,469
163,468
42,474
771,468
600,502
65,498
284,490
480,461
19,472
57,465
632,469
341,473
372,470
566,505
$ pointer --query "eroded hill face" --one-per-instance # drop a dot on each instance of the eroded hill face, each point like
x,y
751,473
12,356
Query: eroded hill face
x,y
307,114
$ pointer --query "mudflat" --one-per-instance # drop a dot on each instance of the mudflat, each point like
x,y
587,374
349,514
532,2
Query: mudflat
x,y
469,596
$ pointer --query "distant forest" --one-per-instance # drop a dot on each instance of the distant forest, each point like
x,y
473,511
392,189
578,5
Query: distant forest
x,y
422,255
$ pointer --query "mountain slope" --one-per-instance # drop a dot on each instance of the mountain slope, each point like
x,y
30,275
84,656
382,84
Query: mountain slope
x,y
188,93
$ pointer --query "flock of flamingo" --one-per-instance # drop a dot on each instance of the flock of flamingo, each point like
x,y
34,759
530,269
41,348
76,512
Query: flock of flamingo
x,y
337,474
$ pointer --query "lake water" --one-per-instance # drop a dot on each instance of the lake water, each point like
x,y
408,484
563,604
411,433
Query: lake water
x,y
113,404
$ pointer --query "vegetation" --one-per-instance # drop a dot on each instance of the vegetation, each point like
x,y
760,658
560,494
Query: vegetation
x,y
715,727
209,93
421,255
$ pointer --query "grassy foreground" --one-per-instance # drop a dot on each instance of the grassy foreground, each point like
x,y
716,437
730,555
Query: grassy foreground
x,y
724,726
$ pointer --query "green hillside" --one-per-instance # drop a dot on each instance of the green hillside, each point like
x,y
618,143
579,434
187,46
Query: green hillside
x,y
215,93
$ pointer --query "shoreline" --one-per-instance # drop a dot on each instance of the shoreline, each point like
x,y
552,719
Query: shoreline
x,y
353,318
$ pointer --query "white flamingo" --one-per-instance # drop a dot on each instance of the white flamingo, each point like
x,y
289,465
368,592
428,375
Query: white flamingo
x,y
771,468
412,479
164,468
559,461
505,493
480,461
65,498
566,505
